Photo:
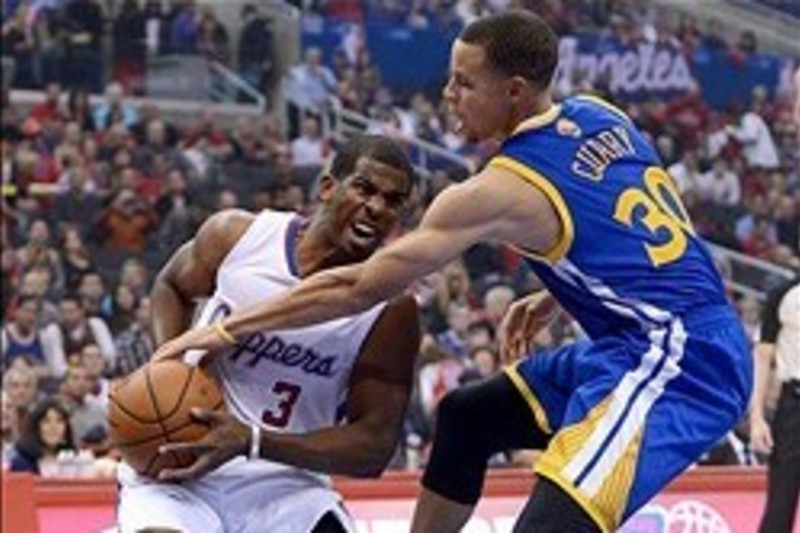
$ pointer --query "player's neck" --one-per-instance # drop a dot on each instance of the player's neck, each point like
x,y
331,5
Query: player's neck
x,y
533,105
313,252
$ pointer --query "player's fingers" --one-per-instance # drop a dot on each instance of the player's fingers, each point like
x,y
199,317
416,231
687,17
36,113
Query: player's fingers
x,y
201,466
168,350
206,416
191,448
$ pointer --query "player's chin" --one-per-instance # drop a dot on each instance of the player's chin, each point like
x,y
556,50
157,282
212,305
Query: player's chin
x,y
360,250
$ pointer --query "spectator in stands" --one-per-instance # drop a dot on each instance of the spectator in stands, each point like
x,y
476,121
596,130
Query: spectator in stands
x,y
47,432
719,185
255,51
76,259
84,27
80,109
51,109
439,373
78,200
483,363
135,345
762,239
184,28
452,286
309,149
92,360
686,173
127,223
86,413
21,338
37,251
496,302
119,309
175,211
313,82
157,28
756,139
129,36
247,146
156,143
114,108
92,292
787,221
75,330
36,282
68,151
212,37
454,339
226,199
21,386
135,276
19,43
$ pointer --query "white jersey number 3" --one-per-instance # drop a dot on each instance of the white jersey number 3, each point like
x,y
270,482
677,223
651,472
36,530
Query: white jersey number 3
x,y
288,394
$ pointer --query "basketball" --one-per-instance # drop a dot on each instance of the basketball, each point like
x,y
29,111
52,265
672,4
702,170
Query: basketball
x,y
152,407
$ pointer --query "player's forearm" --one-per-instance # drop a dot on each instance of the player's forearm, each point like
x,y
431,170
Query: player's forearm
x,y
347,450
325,296
762,355
172,313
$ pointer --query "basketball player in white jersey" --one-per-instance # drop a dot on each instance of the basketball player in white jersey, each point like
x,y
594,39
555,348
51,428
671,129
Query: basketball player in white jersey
x,y
327,399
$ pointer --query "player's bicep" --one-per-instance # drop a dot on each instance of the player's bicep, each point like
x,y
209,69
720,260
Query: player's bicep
x,y
381,381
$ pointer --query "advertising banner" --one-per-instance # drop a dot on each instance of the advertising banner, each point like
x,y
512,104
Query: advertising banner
x,y
699,502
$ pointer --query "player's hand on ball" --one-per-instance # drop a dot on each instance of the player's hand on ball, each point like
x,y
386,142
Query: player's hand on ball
x,y
522,322
227,438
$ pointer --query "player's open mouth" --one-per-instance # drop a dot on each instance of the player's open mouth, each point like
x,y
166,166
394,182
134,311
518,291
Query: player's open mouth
x,y
364,233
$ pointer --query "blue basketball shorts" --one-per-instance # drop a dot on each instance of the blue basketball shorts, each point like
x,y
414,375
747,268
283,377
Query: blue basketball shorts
x,y
630,412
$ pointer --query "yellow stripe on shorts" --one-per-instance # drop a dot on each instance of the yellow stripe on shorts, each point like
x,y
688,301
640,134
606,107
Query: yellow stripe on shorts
x,y
538,411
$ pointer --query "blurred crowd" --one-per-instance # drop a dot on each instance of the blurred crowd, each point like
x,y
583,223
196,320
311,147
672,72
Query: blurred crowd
x,y
95,196
68,41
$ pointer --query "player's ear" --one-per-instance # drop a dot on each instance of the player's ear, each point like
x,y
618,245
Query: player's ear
x,y
326,187
516,87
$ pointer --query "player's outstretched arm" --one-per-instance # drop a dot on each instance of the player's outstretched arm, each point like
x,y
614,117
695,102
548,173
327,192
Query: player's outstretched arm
x,y
495,205
191,272
378,393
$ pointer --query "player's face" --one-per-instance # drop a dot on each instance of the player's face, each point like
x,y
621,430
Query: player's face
x,y
475,94
366,205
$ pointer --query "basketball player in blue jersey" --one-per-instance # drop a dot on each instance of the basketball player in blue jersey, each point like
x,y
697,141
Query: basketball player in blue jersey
x,y
578,190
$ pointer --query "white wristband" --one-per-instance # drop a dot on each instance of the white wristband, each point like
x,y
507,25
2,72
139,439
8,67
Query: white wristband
x,y
255,441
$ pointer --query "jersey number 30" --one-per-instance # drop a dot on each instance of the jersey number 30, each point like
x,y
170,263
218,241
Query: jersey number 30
x,y
662,213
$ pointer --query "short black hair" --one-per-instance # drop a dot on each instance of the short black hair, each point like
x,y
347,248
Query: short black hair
x,y
517,43
377,147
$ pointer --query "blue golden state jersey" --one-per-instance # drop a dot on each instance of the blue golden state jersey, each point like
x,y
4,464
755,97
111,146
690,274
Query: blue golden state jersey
x,y
628,255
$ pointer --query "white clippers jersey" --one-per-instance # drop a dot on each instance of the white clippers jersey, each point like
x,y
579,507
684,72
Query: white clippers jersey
x,y
289,380
293,381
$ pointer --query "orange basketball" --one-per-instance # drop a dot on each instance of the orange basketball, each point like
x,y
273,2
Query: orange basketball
x,y
152,407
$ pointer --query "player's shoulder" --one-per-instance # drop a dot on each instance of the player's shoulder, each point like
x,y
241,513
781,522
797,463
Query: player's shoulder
x,y
592,107
224,228
230,218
